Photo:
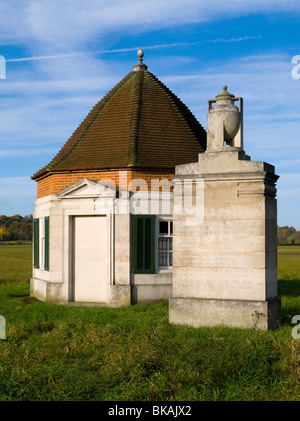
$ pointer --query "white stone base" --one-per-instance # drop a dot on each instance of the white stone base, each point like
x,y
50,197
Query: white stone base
x,y
150,293
117,295
199,312
52,292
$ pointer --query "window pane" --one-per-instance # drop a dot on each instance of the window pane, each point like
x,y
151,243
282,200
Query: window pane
x,y
171,227
170,259
46,243
36,243
163,244
163,227
170,243
163,259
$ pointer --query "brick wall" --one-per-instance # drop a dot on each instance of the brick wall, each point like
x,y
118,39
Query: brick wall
x,y
53,183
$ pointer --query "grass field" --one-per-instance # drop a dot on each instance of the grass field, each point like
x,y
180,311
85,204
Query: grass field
x,y
55,352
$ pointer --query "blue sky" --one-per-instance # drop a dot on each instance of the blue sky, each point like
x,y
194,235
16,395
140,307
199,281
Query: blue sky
x,y
63,56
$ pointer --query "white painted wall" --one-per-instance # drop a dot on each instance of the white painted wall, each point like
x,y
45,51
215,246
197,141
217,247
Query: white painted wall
x,y
82,202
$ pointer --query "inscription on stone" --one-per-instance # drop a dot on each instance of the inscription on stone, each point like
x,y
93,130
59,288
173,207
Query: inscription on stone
x,y
219,243
251,227
204,259
222,283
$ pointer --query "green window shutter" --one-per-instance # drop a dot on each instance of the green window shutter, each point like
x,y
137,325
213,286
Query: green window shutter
x,y
144,243
36,243
46,261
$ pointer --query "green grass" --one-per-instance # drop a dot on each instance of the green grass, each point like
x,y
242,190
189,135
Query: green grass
x,y
289,281
55,352
15,264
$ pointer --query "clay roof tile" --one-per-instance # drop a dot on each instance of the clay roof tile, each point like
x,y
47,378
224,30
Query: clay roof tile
x,y
140,123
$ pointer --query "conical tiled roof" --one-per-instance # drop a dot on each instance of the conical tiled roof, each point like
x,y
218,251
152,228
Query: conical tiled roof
x,y
139,124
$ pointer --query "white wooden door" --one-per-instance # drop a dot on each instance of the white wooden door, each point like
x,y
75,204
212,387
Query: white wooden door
x,y
90,253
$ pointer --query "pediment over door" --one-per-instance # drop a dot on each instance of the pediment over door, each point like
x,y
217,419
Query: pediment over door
x,y
86,188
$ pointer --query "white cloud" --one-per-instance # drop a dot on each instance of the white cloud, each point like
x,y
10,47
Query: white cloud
x,y
122,50
289,187
288,162
73,24
288,199
16,189
264,81
58,85
16,186
64,76
25,153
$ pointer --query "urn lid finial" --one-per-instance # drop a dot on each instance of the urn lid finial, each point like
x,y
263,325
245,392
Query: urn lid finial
x,y
225,94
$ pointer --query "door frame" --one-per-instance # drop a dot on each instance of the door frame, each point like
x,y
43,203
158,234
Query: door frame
x,y
71,249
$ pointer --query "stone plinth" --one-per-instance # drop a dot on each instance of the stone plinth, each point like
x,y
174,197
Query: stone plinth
x,y
225,257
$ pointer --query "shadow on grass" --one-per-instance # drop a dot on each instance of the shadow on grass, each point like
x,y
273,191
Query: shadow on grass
x,y
25,298
290,288
289,292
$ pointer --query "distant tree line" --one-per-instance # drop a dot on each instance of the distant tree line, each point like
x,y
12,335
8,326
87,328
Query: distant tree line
x,y
288,235
17,227
14,228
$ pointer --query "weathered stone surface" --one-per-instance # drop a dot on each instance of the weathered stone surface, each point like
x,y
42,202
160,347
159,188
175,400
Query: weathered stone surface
x,y
222,282
48,291
122,249
149,293
219,243
185,259
118,295
198,312
225,266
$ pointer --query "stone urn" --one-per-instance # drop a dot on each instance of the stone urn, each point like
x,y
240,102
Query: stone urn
x,y
224,114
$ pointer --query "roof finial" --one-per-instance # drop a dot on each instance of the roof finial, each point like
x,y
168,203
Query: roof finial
x,y
140,55
140,65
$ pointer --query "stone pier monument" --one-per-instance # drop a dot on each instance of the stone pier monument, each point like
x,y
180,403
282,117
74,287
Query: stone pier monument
x,y
225,257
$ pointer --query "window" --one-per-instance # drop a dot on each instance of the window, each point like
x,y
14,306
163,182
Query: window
x,y
36,243
164,244
41,243
144,243
46,243
153,240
